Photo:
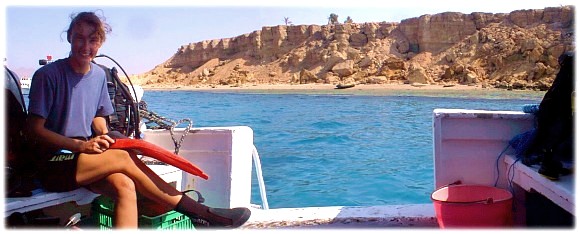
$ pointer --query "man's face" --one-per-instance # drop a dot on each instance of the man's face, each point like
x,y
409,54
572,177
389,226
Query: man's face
x,y
85,43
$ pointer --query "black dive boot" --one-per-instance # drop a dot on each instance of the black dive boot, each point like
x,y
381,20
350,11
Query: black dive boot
x,y
207,217
222,218
550,167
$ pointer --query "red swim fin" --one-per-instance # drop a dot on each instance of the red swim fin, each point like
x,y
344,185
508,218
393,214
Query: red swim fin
x,y
161,154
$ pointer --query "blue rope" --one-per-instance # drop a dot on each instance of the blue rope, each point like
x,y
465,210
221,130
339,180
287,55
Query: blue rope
x,y
519,143
531,108
511,182
512,171
522,142
497,164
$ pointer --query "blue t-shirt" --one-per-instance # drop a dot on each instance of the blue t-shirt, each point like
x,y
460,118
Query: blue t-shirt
x,y
67,100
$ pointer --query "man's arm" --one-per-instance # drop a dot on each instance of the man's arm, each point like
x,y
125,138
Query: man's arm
x,y
51,139
100,126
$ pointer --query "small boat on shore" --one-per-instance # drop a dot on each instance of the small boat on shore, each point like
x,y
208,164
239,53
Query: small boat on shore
x,y
344,86
416,84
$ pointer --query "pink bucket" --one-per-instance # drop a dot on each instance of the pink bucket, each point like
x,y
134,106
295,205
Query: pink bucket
x,y
466,206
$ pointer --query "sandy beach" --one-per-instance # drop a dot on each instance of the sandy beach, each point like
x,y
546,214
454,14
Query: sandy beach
x,y
434,90
364,87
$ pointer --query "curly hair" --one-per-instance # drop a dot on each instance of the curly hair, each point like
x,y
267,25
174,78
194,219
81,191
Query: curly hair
x,y
92,19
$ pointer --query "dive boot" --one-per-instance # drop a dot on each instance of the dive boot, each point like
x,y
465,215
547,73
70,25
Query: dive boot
x,y
222,218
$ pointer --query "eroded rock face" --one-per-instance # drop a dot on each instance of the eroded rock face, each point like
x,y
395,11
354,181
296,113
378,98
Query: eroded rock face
x,y
499,50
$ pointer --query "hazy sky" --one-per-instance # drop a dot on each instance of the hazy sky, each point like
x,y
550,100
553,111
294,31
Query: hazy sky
x,y
144,36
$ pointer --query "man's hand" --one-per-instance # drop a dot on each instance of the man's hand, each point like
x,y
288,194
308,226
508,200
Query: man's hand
x,y
98,144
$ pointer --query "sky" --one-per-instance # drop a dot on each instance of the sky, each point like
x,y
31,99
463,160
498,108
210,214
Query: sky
x,y
144,36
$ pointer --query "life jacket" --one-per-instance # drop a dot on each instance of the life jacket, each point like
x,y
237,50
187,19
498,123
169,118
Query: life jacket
x,y
555,125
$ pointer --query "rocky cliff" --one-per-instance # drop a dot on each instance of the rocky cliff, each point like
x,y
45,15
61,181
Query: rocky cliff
x,y
516,50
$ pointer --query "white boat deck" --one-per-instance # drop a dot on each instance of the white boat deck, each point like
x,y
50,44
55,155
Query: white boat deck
x,y
41,199
412,215
560,192
81,196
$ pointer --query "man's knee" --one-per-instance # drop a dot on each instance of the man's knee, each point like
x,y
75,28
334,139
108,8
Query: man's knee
x,y
121,155
123,185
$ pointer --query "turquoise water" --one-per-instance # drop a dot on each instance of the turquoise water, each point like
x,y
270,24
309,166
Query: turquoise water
x,y
331,148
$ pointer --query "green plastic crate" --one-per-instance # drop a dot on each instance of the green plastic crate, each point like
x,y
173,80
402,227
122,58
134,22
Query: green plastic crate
x,y
102,214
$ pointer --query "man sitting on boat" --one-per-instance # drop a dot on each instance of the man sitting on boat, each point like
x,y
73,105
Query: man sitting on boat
x,y
68,106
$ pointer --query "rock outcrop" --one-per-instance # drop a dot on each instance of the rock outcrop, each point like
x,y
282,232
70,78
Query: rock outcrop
x,y
516,50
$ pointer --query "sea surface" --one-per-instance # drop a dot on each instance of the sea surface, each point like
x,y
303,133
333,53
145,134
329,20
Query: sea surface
x,y
336,148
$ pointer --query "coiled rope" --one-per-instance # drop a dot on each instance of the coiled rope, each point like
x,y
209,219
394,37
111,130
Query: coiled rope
x,y
164,123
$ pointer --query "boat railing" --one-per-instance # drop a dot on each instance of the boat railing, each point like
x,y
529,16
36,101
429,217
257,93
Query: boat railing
x,y
262,186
